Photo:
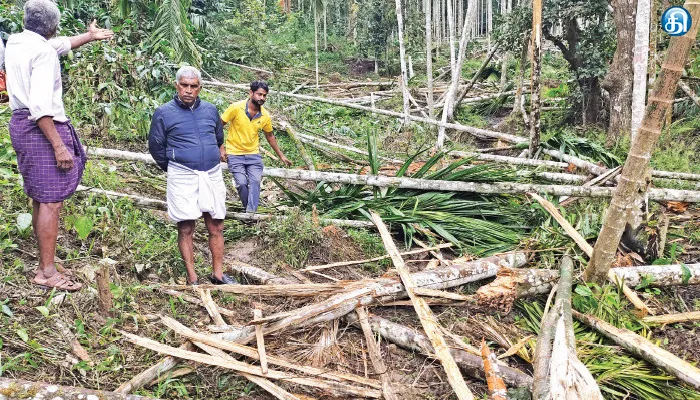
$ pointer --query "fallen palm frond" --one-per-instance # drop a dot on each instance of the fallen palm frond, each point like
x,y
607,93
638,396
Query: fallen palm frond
x,y
583,148
474,223
619,375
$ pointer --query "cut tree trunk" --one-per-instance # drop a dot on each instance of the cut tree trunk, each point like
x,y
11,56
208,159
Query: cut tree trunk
x,y
558,373
645,349
162,205
632,180
411,339
535,77
619,81
672,318
21,389
661,275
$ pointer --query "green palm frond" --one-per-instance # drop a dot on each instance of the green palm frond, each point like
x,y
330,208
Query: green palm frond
x,y
476,224
172,31
619,375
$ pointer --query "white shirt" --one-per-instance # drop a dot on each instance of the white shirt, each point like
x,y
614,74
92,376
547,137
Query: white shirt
x,y
34,74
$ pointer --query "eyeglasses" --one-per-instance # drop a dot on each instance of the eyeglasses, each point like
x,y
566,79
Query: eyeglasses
x,y
185,86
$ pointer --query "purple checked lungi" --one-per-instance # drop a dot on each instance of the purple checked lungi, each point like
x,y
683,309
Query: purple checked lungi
x,y
43,180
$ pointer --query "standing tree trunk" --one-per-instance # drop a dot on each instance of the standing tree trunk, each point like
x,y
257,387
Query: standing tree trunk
x,y
451,95
521,77
316,39
535,78
402,56
632,183
641,57
325,26
620,78
429,55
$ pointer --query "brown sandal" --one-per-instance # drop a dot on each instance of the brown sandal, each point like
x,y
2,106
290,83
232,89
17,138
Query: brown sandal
x,y
59,281
60,269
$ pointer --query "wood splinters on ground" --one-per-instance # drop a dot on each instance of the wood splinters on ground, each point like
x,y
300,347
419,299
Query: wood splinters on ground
x,y
497,388
212,309
257,314
430,325
238,366
672,318
73,342
376,356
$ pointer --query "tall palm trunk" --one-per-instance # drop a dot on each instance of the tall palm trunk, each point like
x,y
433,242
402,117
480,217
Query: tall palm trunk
x,y
429,56
633,183
641,57
402,59
316,39
535,80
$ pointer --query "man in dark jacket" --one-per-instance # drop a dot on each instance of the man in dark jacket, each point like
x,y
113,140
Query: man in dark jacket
x,y
186,140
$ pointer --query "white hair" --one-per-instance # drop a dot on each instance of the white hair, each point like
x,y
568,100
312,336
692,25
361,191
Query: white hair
x,y
41,16
188,72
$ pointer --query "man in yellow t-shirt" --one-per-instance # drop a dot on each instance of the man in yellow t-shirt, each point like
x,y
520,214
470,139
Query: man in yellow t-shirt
x,y
246,118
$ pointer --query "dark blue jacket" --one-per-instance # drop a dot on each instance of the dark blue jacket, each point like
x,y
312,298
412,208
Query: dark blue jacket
x,y
188,136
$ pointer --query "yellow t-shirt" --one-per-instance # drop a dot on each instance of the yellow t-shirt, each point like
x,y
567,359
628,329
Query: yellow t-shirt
x,y
242,137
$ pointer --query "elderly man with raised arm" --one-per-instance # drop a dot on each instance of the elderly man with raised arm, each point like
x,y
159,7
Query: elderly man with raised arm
x,y
186,140
49,154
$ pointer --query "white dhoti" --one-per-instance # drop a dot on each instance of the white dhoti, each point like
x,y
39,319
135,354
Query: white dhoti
x,y
191,193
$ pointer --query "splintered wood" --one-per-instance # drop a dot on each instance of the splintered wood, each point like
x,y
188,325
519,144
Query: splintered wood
x,y
430,324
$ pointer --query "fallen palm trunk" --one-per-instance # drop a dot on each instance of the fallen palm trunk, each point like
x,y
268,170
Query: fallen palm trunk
x,y
530,281
661,275
258,275
385,290
512,284
643,348
411,339
486,62
21,389
249,369
302,150
473,187
512,160
384,257
558,373
293,290
585,165
672,318
152,373
588,249
483,133
162,205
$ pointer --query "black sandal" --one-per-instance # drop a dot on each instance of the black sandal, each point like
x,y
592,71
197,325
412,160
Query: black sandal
x,y
225,280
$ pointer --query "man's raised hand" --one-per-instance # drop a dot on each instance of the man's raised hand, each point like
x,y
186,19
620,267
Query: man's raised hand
x,y
99,33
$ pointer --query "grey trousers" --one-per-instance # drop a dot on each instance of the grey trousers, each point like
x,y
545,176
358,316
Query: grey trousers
x,y
247,174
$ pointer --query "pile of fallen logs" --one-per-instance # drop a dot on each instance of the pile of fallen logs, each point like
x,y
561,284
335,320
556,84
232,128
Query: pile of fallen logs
x,y
241,348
